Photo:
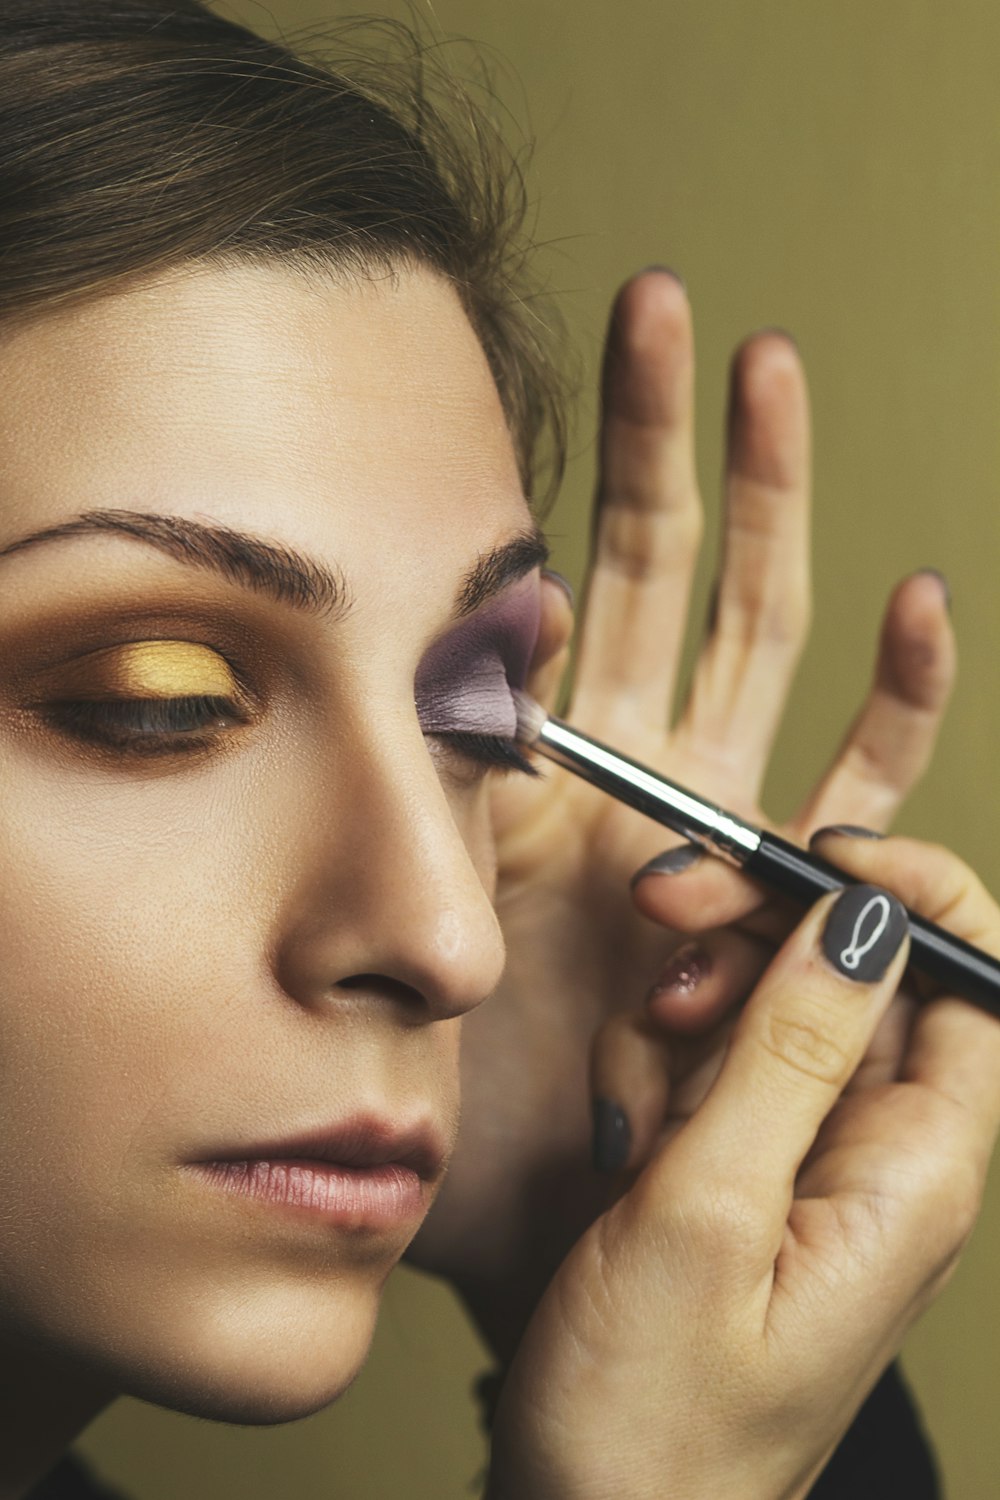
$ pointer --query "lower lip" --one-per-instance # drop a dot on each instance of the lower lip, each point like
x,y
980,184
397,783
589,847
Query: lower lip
x,y
363,1198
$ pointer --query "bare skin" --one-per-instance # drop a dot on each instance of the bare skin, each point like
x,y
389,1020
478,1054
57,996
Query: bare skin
x,y
567,854
290,922
762,1267
280,929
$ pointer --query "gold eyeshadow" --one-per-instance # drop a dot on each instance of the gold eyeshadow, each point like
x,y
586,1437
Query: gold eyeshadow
x,y
146,669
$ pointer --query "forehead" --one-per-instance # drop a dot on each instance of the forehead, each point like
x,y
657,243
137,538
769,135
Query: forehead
x,y
359,418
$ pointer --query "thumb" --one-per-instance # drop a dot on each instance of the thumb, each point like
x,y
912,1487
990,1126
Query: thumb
x,y
800,1037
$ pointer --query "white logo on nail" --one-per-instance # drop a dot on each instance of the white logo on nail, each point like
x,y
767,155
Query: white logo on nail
x,y
856,949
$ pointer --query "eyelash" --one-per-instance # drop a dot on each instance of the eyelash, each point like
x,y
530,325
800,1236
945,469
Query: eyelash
x,y
143,726
150,726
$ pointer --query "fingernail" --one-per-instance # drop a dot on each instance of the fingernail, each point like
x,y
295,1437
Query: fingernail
x,y
863,932
612,1136
683,974
664,271
846,830
563,583
945,585
672,862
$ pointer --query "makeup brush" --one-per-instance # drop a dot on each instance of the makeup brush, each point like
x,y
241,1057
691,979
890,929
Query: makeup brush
x,y
948,960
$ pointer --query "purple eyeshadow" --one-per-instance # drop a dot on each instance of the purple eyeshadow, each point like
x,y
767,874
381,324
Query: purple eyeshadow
x,y
463,684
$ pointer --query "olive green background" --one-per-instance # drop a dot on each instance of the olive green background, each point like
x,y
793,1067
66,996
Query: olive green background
x,y
834,168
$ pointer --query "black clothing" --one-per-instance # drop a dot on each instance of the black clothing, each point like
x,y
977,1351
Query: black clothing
x,y
72,1480
884,1452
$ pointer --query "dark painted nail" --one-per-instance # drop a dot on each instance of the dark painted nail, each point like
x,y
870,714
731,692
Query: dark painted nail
x,y
612,1136
664,271
846,830
945,585
683,974
563,583
673,862
863,932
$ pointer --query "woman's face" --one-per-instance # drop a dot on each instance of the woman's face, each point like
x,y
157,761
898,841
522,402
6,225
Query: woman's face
x,y
255,905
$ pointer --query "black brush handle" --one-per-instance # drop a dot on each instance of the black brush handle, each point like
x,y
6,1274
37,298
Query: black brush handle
x,y
948,960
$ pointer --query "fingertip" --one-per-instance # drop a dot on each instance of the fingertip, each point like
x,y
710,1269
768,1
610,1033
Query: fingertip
x,y
864,931
558,603
675,861
552,576
843,831
629,1089
661,280
683,997
705,893
551,654
917,655
921,600
768,415
935,577
612,1136
851,848
767,348
651,310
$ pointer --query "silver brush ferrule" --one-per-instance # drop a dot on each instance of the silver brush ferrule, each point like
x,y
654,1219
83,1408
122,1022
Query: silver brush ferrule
x,y
648,792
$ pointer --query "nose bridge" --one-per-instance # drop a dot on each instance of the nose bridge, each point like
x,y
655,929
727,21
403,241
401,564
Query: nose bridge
x,y
405,902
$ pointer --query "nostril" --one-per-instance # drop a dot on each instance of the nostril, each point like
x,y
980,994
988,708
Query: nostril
x,y
382,987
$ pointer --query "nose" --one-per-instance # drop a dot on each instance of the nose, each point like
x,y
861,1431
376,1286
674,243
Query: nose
x,y
386,896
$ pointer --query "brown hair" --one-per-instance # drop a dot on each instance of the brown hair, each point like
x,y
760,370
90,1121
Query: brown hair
x,y
135,136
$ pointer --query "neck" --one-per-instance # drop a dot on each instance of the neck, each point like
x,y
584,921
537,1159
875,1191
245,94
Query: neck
x,y
42,1409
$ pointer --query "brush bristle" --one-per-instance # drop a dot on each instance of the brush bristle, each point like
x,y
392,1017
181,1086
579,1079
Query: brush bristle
x,y
530,717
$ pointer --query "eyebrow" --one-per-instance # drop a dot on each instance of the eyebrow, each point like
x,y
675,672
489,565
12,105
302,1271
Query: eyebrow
x,y
285,575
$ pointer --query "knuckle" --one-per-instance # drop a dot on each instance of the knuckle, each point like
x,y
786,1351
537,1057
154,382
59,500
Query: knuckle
x,y
781,620
960,1199
870,761
727,1214
807,1047
639,542
788,620
723,1216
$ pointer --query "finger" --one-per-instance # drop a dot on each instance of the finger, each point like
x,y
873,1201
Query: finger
x,y
761,615
927,878
690,891
954,1046
630,1086
551,654
883,1062
796,1044
890,743
703,980
648,519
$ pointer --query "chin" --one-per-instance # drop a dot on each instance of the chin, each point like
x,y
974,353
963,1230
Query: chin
x,y
264,1397
255,1360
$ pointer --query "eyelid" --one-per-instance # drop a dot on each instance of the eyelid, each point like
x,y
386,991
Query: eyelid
x,y
150,669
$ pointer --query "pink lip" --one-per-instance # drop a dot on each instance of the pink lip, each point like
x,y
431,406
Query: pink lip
x,y
360,1174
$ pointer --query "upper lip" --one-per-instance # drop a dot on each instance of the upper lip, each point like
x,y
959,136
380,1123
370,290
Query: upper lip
x,y
362,1141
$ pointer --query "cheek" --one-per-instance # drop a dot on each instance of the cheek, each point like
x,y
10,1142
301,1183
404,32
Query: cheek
x,y
115,932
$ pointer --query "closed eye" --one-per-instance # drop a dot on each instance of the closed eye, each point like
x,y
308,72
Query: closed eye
x,y
163,726
146,726
493,750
